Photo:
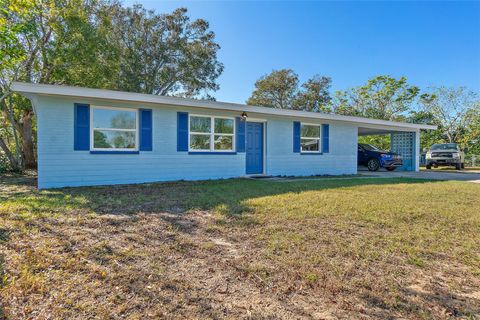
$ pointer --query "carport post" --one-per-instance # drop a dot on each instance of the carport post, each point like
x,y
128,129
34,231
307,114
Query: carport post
x,y
407,144
417,150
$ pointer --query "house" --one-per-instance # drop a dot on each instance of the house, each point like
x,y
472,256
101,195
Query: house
x,y
100,137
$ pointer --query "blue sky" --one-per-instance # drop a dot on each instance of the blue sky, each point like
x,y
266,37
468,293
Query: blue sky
x,y
431,43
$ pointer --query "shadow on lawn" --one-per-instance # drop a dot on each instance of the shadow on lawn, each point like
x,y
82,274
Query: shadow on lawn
x,y
225,196
455,305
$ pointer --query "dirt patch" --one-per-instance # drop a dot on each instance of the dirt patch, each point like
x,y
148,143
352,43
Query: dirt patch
x,y
153,265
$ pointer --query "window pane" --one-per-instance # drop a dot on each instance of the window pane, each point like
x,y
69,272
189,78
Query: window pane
x,y
310,131
223,142
113,139
200,124
118,119
223,126
310,144
199,142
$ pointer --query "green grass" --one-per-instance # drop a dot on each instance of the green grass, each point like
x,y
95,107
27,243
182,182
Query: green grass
x,y
452,169
348,247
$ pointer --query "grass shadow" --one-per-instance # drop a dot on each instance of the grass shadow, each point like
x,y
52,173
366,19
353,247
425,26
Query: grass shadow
x,y
227,197
455,305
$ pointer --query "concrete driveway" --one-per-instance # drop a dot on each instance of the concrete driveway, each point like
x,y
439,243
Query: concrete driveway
x,y
432,175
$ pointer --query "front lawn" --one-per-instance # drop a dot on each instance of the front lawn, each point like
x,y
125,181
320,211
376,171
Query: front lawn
x,y
452,169
322,249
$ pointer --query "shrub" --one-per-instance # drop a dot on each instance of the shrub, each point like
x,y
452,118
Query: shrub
x,y
4,163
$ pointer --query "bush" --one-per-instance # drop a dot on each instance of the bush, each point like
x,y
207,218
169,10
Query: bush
x,y
4,163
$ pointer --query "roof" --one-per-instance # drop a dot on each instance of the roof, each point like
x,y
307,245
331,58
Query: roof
x,y
29,89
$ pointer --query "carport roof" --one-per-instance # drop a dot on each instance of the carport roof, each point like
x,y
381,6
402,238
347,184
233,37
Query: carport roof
x,y
31,90
376,130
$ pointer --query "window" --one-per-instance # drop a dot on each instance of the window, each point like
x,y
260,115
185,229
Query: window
x,y
114,129
369,147
211,133
310,138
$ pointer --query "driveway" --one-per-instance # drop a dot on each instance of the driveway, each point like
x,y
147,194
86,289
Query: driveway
x,y
433,175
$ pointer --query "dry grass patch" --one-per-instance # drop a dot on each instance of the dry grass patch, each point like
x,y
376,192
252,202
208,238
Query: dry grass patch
x,y
354,248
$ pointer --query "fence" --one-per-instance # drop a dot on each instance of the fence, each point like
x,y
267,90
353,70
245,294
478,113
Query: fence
x,y
472,160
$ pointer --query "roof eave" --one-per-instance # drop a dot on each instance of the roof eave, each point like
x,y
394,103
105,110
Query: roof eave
x,y
44,89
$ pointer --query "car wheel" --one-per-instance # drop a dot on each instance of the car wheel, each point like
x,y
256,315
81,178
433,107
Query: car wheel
x,y
391,168
428,167
373,165
458,166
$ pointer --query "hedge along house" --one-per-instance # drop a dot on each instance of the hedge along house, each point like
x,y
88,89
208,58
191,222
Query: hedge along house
x,y
100,137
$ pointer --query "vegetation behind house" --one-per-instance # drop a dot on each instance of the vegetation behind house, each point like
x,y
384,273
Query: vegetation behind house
x,y
102,44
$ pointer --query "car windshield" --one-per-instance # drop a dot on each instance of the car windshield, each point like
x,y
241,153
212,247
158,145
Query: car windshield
x,y
369,147
444,146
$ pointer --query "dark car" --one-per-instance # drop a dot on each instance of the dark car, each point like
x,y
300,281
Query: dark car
x,y
374,158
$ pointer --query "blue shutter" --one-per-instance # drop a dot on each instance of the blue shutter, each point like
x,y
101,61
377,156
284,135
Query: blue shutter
x,y
145,130
182,131
81,130
240,134
325,138
296,136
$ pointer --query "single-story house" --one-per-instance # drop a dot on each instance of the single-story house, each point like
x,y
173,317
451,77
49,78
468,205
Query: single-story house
x,y
100,137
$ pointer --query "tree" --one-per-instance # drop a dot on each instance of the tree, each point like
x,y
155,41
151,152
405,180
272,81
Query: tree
x,y
15,22
315,95
453,108
164,54
275,90
95,44
18,111
427,137
280,89
383,97
47,42
471,136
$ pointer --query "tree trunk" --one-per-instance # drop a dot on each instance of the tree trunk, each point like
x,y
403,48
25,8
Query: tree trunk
x,y
18,164
11,158
449,137
27,141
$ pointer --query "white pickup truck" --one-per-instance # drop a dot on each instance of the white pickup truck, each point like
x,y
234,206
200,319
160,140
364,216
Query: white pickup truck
x,y
445,154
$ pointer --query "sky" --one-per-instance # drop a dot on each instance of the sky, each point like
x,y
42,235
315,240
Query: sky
x,y
430,43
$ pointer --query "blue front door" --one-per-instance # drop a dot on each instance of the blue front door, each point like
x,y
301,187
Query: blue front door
x,y
254,147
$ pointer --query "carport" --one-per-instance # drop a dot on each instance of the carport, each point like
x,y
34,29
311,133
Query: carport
x,y
404,140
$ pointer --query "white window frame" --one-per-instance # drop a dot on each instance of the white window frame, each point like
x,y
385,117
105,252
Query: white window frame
x,y
136,130
311,138
211,133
